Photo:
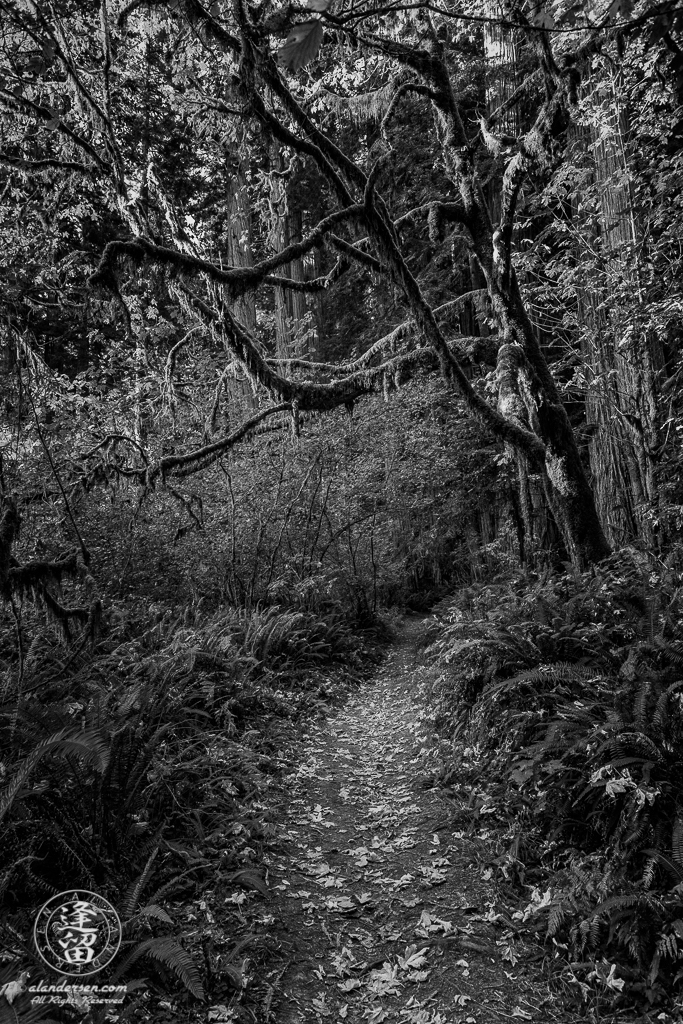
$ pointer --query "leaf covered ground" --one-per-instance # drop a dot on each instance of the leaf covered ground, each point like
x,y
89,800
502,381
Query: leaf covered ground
x,y
381,908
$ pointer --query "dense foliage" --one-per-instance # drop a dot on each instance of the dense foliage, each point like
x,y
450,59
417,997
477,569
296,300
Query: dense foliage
x,y
564,702
307,313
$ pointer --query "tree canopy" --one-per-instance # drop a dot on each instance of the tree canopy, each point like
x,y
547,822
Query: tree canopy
x,y
328,202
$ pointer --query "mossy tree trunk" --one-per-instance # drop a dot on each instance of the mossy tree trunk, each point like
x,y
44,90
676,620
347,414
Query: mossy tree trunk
x,y
625,358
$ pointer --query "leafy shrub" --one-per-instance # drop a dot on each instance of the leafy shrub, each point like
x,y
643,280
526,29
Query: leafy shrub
x,y
566,701
134,772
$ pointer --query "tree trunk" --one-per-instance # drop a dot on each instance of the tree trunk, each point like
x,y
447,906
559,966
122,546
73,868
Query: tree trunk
x,y
622,405
526,373
239,251
290,305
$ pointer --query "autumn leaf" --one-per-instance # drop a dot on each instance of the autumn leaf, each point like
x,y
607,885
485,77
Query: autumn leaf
x,y
349,985
301,46
413,959
384,982
14,988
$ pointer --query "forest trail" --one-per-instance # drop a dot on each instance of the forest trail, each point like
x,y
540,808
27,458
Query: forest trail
x,y
380,906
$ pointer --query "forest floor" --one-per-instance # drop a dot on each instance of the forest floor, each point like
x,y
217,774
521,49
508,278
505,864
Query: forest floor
x,y
381,908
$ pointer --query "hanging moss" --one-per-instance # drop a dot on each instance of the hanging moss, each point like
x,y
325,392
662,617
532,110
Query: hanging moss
x,y
368,106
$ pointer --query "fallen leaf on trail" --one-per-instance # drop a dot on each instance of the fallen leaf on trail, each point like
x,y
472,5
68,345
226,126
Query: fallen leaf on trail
x,y
341,962
342,904
433,876
428,925
385,982
321,1006
405,842
522,1014
344,1011
413,958
462,1000
349,985
318,869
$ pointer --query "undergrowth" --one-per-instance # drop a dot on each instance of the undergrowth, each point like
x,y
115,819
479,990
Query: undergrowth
x,y
561,701
136,769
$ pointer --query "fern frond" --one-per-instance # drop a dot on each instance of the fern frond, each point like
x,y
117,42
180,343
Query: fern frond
x,y
641,704
85,743
555,920
622,902
624,743
132,896
674,869
648,872
171,955
544,675
667,946
673,649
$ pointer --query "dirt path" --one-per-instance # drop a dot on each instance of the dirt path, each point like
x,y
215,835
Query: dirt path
x,y
380,908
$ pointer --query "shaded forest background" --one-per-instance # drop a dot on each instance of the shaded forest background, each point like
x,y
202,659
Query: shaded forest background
x,y
309,316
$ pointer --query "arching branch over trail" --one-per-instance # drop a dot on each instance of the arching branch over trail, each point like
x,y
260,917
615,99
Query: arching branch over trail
x,y
239,273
